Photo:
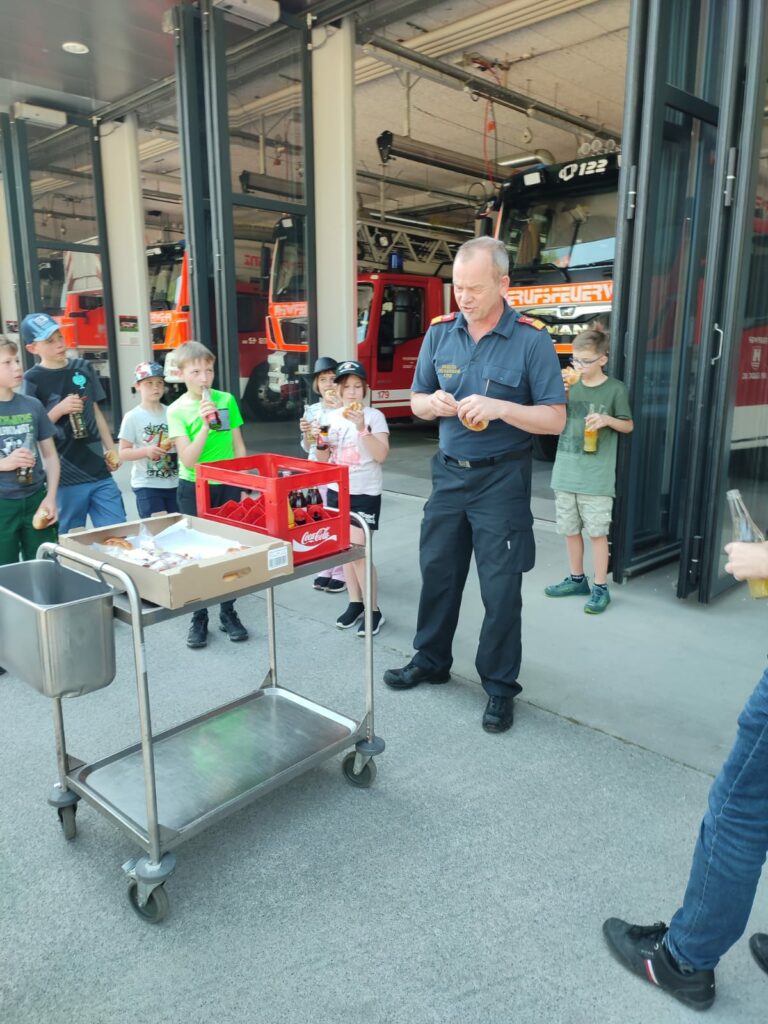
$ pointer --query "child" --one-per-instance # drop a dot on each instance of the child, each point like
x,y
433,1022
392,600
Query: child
x,y
359,439
585,483
64,387
196,441
322,383
144,441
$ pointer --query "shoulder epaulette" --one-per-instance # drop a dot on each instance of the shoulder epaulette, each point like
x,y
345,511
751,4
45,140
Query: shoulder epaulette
x,y
532,322
443,319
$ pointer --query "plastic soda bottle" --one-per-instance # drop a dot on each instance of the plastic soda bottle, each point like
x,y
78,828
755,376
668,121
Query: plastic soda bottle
x,y
745,530
590,436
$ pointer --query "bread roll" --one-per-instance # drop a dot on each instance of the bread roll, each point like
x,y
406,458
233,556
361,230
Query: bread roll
x,y
41,518
571,376
117,542
352,407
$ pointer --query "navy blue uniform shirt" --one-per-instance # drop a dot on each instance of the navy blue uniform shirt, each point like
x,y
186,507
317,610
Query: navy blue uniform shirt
x,y
515,362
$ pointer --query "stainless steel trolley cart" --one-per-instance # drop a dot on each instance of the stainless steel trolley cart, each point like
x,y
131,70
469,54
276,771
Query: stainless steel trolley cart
x,y
170,786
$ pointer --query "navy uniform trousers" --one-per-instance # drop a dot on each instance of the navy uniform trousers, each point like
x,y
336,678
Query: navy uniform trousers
x,y
486,510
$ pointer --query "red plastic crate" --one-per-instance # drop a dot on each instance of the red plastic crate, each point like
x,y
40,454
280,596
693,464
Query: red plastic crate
x,y
267,511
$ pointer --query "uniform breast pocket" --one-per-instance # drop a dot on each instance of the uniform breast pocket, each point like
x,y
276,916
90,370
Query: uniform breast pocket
x,y
504,382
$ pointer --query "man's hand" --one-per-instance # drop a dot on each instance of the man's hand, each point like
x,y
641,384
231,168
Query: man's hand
x,y
18,459
747,561
442,403
475,408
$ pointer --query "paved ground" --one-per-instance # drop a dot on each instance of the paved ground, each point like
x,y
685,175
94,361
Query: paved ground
x,y
468,885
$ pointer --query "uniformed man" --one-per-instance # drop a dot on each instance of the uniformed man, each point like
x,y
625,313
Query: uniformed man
x,y
492,379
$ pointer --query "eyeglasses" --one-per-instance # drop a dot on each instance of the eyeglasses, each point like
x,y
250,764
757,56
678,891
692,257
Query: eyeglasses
x,y
585,362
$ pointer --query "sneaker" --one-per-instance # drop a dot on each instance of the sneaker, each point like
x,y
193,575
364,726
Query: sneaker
x,y
568,588
641,949
336,586
758,945
377,621
351,616
321,582
198,633
598,601
229,623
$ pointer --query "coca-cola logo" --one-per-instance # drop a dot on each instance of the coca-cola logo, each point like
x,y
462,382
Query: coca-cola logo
x,y
311,538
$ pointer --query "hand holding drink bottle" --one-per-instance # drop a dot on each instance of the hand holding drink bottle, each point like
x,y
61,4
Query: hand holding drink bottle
x,y
748,552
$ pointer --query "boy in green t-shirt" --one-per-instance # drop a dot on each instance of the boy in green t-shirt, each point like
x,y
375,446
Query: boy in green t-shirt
x,y
197,441
584,482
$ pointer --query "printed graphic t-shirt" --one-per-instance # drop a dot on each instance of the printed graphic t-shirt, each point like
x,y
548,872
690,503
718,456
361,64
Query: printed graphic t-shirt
x,y
82,461
184,420
349,449
23,422
143,428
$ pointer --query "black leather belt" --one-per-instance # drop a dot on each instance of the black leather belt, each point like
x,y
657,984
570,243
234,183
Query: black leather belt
x,y
494,460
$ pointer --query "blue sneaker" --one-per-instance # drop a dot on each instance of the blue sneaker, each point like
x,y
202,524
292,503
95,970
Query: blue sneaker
x,y
598,601
568,588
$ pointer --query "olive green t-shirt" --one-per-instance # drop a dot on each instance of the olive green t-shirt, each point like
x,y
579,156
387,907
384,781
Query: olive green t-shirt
x,y
576,470
184,420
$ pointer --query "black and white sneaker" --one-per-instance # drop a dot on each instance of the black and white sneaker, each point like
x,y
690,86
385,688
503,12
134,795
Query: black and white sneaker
x,y
377,621
321,582
335,587
354,612
641,949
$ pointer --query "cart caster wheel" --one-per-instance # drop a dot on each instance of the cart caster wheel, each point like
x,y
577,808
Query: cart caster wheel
x,y
68,822
366,776
155,909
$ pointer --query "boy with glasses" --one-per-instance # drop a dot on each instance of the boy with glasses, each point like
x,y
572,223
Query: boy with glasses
x,y
584,474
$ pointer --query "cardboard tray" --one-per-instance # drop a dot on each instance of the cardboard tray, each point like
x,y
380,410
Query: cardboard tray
x,y
267,558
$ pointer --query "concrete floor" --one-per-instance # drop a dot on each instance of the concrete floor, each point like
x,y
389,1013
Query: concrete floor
x,y
468,885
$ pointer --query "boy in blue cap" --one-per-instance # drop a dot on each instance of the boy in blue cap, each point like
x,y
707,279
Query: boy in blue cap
x,y
65,387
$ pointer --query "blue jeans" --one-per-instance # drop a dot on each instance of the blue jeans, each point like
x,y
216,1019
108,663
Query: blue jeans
x,y
731,847
101,500
155,499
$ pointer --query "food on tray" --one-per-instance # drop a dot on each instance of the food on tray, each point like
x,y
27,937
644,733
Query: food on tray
x,y
41,518
352,407
571,376
118,542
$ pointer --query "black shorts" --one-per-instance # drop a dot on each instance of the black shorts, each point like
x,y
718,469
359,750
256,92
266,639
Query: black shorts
x,y
367,506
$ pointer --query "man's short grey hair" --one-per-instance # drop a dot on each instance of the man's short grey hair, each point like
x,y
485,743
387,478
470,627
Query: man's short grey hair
x,y
495,249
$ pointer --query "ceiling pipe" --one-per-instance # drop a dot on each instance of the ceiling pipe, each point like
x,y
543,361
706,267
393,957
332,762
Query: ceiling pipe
x,y
391,145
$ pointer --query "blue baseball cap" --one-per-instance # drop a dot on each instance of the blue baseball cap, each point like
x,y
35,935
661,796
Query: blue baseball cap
x,y
350,366
38,327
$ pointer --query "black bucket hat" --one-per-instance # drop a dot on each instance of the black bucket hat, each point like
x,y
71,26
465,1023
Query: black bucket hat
x,y
323,364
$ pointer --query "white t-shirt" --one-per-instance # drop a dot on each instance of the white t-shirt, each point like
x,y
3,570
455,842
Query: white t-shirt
x,y
349,449
143,428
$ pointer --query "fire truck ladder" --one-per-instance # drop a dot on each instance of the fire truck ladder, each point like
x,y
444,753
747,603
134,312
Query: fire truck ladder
x,y
424,248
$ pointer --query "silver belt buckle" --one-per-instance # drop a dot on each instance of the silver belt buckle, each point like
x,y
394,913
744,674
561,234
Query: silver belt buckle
x,y
464,463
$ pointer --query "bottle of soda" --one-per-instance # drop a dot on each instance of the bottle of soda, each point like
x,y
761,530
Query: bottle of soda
x,y
24,473
212,419
77,422
746,530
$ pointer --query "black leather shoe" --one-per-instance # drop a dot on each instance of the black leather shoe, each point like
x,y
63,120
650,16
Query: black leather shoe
x,y
499,714
198,633
759,946
229,623
412,675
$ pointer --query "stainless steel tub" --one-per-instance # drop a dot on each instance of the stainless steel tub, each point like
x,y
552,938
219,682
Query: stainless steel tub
x,y
56,628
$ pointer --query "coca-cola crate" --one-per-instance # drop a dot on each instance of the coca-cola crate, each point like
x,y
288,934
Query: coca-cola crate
x,y
317,531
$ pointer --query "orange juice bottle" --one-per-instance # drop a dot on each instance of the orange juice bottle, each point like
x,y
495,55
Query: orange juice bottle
x,y
590,436
745,530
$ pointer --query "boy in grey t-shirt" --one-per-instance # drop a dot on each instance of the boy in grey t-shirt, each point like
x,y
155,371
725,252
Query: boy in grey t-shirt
x,y
144,441
584,475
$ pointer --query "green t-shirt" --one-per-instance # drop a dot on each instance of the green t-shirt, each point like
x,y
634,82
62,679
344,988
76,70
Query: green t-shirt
x,y
579,471
184,420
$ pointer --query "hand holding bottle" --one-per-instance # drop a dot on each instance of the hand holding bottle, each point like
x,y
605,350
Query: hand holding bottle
x,y
747,560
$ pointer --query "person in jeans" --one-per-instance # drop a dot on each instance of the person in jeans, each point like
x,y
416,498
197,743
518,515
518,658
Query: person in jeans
x,y
196,441
144,442
727,860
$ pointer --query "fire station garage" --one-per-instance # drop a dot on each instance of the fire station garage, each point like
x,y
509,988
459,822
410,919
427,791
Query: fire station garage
x,y
285,181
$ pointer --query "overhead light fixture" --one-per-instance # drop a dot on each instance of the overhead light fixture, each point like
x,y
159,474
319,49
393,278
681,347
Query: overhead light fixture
x,y
74,47
391,145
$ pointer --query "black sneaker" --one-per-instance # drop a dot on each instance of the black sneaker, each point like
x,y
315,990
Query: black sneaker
x,y
321,582
410,676
198,633
377,621
335,587
229,623
640,949
499,714
758,944
352,615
